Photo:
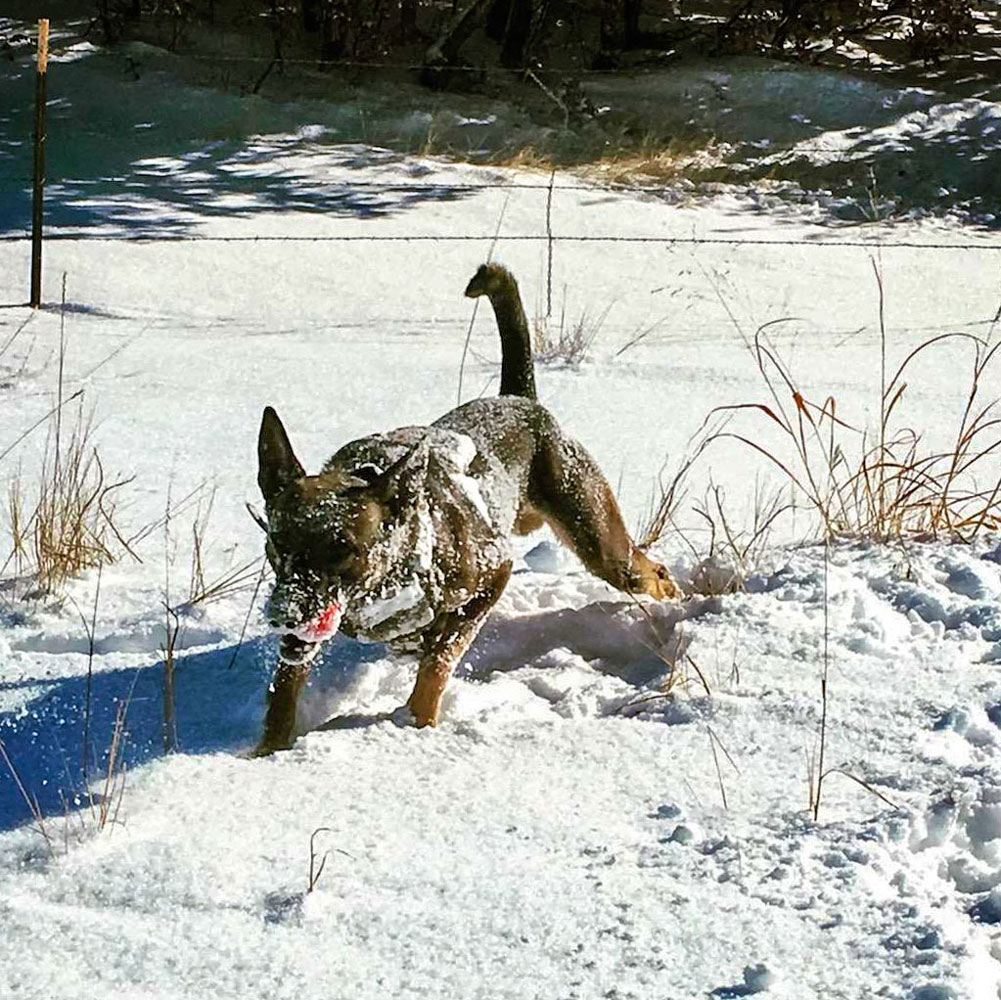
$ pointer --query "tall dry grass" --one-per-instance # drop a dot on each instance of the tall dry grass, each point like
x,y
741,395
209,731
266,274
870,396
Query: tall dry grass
x,y
202,590
884,484
64,521
566,341
879,483
62,515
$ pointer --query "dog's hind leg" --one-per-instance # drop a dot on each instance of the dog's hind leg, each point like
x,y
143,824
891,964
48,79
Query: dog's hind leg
x,y
295,658
569,490
445,645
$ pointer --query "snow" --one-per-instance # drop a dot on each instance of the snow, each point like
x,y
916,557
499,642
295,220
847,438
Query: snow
x,y
617,801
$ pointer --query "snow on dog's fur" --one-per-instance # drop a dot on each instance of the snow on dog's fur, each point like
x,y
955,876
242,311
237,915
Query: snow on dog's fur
x,y
404,537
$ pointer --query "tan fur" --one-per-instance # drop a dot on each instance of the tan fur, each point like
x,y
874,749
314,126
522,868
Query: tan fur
x,y
452,637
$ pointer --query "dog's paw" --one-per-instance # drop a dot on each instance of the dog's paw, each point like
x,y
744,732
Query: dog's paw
x,y
421,710
662,586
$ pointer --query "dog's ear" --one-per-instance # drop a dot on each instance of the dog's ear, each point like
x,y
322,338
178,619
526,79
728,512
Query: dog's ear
x,y
277,464
400,479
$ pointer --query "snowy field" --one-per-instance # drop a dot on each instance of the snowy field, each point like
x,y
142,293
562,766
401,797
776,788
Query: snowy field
x,y
570,830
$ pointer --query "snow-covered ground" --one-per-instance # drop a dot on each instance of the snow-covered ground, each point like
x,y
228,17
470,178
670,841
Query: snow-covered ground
x,y
569,830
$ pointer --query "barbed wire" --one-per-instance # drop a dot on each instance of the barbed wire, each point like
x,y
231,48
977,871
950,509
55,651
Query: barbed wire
x,y
488,237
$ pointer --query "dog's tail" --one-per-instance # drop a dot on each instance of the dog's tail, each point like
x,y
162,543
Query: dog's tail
x,y
498,284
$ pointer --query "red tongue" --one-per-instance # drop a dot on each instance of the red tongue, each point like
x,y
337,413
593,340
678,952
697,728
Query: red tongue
x,y
323,626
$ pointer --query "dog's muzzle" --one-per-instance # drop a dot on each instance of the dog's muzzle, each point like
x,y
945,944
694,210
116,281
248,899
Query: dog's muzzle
x,y
319,628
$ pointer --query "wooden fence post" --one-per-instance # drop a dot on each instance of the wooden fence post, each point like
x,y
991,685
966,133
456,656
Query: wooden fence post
x,y
39,178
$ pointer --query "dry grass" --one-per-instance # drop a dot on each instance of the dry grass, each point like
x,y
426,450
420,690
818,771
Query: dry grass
x,y
68,524
881,484
816,771
61,519
884,485
565,341
204,589
647,160
671,492
201,590
103,797
652,163
12,339
733,553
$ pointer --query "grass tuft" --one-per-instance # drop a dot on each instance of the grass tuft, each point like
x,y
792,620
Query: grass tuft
x,y
62,521
566,342
881,484
68,525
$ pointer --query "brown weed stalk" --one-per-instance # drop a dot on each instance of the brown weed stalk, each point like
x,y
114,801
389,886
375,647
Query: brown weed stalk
x,y
893,487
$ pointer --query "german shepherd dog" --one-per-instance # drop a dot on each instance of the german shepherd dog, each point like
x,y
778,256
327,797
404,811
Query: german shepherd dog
x,y
404,537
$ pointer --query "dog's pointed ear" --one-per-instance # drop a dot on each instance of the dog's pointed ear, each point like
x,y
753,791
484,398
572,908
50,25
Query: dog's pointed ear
x,y
397,481
277,465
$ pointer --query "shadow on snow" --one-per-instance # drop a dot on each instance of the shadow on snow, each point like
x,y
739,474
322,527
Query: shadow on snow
x,y
219,706
122,157
220,693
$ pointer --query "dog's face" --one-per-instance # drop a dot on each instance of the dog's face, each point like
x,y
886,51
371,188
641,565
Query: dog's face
x,y
322,530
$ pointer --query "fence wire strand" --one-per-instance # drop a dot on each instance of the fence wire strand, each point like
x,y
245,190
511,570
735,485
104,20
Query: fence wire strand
x,y
490,237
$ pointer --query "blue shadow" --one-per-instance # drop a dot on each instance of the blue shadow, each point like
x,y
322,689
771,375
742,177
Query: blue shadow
x,y
219,700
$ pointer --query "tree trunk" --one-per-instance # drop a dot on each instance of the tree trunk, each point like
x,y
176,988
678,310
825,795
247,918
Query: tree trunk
x,y
519,24
609,36
444,50
408,19
632,37
497,18
312,15
332,37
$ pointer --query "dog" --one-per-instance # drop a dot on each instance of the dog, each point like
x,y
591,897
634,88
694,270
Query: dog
x,y
404,537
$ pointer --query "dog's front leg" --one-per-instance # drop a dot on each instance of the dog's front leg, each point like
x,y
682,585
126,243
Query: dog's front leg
x,y
295,657
444,647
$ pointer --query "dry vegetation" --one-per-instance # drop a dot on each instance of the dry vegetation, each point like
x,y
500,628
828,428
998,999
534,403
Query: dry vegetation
x,y
61,516
566,341
62,522
881,484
